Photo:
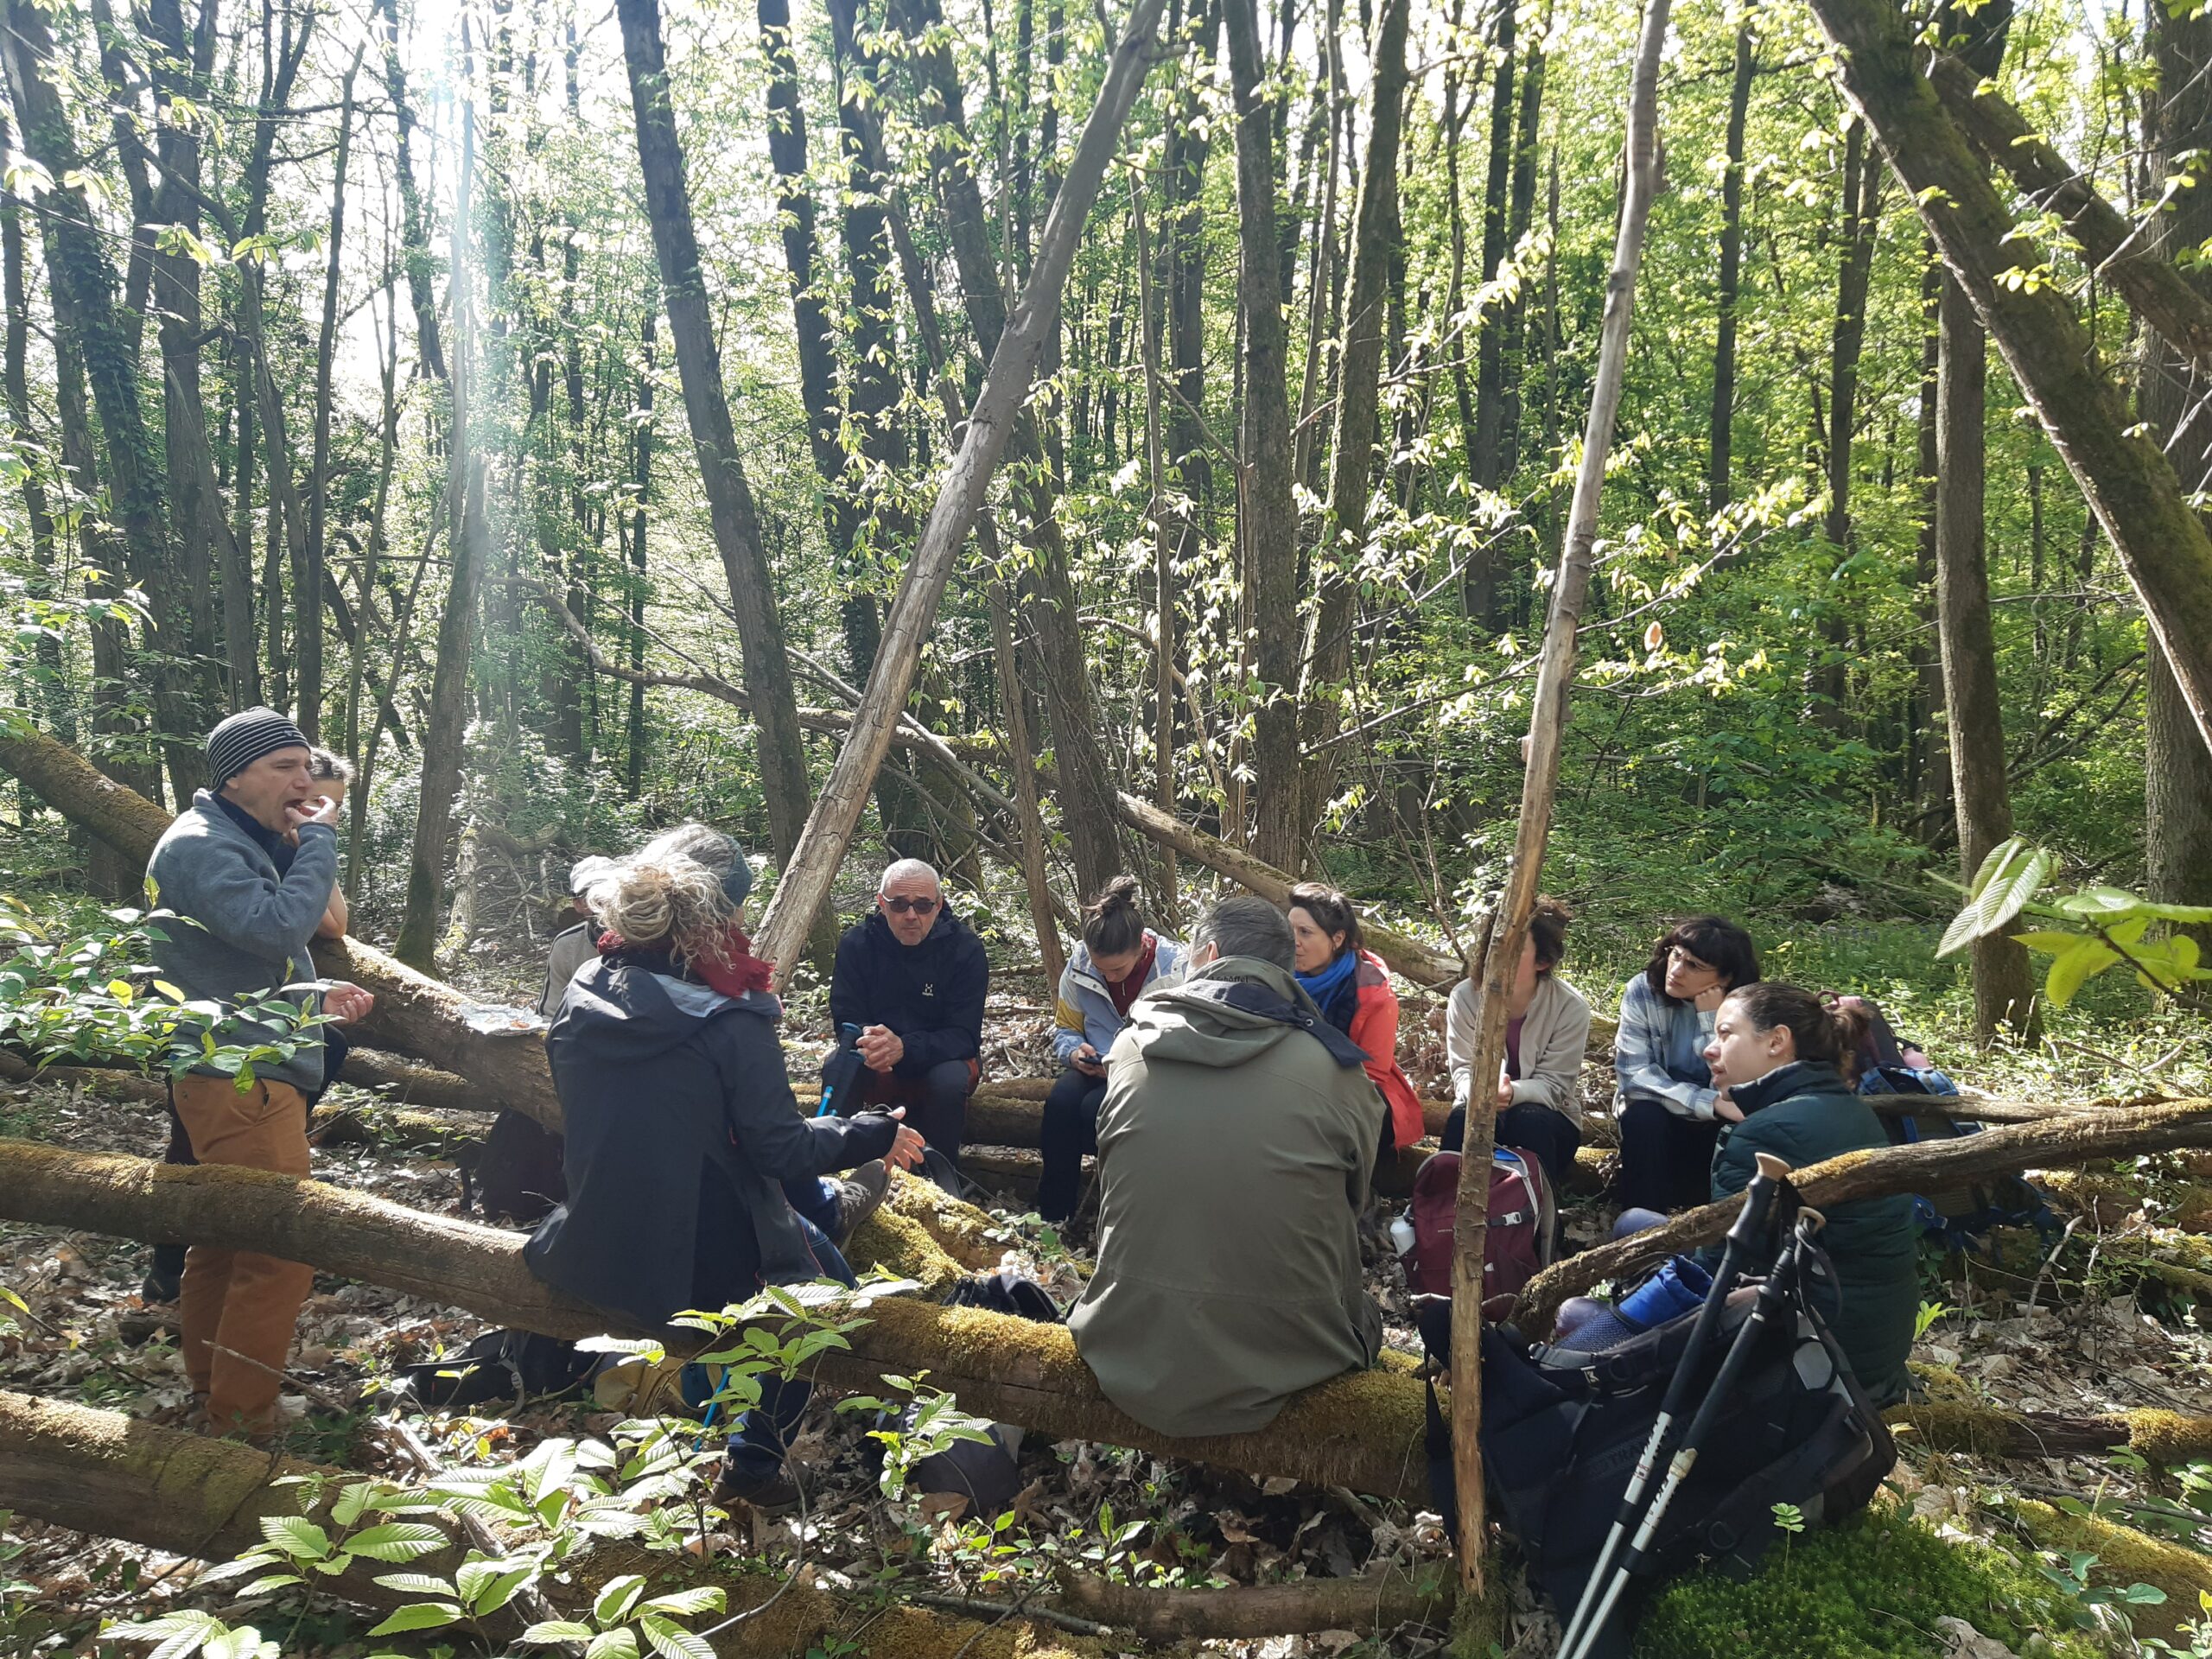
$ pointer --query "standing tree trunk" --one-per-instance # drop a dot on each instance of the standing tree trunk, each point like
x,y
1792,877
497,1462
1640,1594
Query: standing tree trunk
x,y
37,514
2177,765
445,732
2004,985
414,227
1498,184
308,571
1375,241
1721,434
807,879
1267,517
699,364
1862,190
1528,128
1087,779
2129,485
634,747
1547,729
1930,767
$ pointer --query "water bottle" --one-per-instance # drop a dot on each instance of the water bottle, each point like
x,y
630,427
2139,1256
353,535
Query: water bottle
x,y
1402,1235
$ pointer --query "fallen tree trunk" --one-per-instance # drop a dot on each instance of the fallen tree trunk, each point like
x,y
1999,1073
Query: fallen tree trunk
x,y
110,1476
2164,1438
414,1014
1924,1166
1406,955
1370,1606
1362,1431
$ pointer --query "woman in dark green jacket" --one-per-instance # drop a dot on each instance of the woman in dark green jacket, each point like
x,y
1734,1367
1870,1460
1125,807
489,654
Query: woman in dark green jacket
x,y
1781,1057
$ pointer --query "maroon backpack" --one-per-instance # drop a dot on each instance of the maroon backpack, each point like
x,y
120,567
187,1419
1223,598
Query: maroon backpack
x,y
1522,1231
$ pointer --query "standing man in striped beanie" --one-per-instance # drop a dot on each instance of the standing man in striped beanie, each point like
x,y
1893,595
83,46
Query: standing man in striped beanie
x,y
249,871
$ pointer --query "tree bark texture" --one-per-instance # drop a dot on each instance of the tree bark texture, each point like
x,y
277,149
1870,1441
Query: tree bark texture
x,y
730,507
1862,180
2123,476
991,421
1267,517
2172,395
1489,369
2074,1137
1344,539
1362,1431
1721,433
1547,731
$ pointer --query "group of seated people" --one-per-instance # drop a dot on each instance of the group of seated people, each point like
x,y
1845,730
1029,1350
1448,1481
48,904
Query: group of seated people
x,y
1237,1093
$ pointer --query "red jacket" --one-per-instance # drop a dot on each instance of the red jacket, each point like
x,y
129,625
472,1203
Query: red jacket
x,y
1375,1028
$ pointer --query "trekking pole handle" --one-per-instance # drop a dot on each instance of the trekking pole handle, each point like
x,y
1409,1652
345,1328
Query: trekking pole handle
x,y
1758,1202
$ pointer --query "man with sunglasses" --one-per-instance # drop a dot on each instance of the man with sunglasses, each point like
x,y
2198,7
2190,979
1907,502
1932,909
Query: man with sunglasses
x,y
912,977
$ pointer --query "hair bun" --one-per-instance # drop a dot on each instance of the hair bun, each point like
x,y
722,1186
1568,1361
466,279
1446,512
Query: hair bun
x,y
1122,893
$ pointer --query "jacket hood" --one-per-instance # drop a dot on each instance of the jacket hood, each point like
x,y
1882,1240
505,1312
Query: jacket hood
x,y
1229,1013
1786,1082
633,1015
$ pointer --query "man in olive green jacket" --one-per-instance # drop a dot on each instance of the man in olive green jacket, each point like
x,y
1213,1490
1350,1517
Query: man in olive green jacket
x,y
1235,1149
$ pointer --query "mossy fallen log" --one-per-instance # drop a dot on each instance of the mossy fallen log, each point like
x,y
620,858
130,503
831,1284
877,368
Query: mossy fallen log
x,y
2162,1437
110,1476
1364,1606
1928,1165
2125,1556
1362,1431
414,1014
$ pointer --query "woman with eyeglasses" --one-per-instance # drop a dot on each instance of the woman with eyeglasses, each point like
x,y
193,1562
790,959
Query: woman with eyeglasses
x,y
1670,1112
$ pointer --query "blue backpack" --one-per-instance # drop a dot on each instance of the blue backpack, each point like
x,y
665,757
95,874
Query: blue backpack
x,y
1957,1217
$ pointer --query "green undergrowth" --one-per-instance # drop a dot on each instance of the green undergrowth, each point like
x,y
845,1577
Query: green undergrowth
x,y
1872,1588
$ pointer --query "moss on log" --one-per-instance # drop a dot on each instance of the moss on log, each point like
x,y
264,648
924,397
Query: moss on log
x,y
1365,1606
2163,1437
1362,1431
2069,1138
102,1473
2125,1556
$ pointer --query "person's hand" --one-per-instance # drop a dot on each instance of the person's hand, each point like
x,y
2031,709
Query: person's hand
x,y
1504,1090
1726,1109
906,1145
1085,1060
346,1004
1709,1000
321,810
881,1048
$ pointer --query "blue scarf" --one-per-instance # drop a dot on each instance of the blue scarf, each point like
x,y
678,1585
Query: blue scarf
x,y
1336,988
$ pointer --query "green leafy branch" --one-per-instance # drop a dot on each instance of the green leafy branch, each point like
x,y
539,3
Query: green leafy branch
x,y
2096,928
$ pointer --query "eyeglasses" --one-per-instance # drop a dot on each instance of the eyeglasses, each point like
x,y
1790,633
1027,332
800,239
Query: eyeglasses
x,y
910,907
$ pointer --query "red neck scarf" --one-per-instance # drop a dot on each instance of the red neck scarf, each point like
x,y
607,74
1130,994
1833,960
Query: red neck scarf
x,y
1123,992
736,972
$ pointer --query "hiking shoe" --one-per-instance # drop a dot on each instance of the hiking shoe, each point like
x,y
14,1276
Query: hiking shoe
x,y
773,1494
859,1195
160,1287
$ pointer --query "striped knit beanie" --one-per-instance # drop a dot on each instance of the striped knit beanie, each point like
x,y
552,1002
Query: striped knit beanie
x,y
244,738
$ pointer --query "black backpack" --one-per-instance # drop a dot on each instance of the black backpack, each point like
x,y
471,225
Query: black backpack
x,y
517,1178
987,1473
517,1365
1563,1430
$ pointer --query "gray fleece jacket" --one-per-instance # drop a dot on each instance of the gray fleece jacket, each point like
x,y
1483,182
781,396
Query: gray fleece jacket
x,y
252,926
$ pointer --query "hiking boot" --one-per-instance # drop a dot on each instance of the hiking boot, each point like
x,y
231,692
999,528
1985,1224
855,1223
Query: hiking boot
x,y
859,1195
774,1494
160,1285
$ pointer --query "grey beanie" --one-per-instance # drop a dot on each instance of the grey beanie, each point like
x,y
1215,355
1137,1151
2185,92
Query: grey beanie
x,y
245,737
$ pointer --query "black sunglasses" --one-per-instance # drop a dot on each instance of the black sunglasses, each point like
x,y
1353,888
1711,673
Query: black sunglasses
x,y
906,907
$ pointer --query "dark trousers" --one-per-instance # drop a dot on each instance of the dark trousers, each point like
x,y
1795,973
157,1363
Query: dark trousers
x,y
815,1199
1545,1134
936,1102
756,1447
1071,1130
1666,1158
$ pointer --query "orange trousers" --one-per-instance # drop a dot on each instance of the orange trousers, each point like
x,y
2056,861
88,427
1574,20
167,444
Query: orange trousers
x,y
240,1301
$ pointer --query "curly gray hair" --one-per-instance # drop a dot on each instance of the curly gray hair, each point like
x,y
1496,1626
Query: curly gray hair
x,y
669,900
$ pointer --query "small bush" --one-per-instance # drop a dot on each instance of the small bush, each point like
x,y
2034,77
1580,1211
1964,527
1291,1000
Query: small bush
x,y
1873,1586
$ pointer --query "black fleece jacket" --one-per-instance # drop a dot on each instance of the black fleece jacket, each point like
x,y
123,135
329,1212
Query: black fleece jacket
x,y
931,994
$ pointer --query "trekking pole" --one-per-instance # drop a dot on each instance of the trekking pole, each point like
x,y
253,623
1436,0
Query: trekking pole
x,y
1743,1238
1781,1283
